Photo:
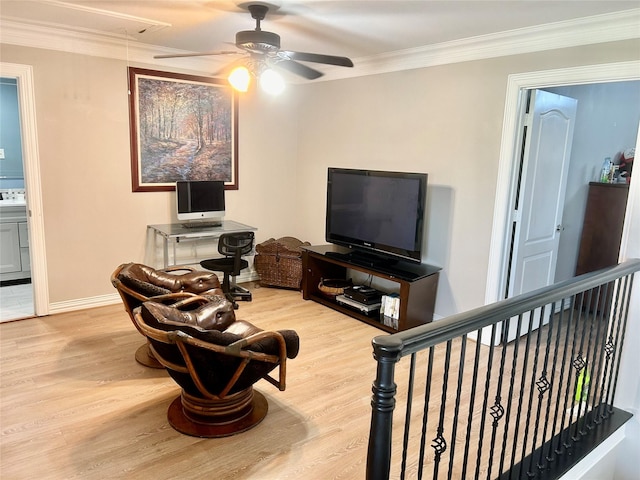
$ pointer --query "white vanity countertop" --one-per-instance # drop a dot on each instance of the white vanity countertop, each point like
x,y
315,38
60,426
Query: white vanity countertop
x,y
13,203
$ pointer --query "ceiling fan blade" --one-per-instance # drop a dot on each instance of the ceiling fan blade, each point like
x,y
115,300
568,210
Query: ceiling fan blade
x,y
226,70
181,55
318,58
298,69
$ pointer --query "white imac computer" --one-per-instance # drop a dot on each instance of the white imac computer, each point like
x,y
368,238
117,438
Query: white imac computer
x,y
200,204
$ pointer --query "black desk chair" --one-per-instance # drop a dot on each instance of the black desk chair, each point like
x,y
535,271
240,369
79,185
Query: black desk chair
x,y
233,246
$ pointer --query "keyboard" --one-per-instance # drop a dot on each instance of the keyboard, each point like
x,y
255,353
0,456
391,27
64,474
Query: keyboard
x,y
202,225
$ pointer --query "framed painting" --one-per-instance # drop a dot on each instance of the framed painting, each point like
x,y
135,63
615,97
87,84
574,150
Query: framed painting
x,y
182,127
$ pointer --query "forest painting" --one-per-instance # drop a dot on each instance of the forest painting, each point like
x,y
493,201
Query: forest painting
x,y
183,127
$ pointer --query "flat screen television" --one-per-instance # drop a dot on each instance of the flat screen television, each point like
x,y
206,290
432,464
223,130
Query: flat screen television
x,y
377,214
200,202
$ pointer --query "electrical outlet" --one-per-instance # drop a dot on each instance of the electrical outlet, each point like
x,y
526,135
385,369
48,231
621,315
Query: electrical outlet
x,y
1,153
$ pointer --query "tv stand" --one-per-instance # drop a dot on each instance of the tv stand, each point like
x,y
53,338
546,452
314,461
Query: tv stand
x,y
418,283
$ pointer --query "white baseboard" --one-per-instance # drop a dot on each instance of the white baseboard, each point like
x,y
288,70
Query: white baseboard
x,y
83,303
113,298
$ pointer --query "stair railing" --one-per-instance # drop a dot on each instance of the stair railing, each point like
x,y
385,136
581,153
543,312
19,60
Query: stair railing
x,y
528,408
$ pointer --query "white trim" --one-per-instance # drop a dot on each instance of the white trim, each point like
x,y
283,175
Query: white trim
x,y
610,27
31,161
84,303
249,275
629,246
571,33
133,20
116,46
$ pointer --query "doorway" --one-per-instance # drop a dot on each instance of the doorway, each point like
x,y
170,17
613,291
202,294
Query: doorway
x,y
539,185
16,293
23,75
517,84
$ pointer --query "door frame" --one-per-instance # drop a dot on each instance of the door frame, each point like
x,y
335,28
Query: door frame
x,y
516,85
31,161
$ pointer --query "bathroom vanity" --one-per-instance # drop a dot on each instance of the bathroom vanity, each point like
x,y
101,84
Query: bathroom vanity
x,y
14,241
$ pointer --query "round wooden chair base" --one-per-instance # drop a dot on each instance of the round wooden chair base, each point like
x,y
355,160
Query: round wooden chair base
x,y
146,358
213,427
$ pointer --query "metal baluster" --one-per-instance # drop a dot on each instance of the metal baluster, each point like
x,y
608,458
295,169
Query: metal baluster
x,y
599,353
580,363
485,399
514,364
439,443
532,388
610,349
544,386
497,410
521,395
564,442
585,392
407,416
624,318
425,414
474,383
454,426
558,382
564,384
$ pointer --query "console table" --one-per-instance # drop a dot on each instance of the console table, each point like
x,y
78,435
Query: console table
x,y
417,284
174,232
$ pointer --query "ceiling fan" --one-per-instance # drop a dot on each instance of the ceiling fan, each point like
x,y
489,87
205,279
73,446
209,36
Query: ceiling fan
x,y
264,51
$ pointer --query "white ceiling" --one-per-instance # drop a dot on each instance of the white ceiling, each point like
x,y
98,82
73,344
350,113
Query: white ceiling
x,y
357,29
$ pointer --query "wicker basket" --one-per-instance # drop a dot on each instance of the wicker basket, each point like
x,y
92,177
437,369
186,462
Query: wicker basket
x,y
332,287
279,262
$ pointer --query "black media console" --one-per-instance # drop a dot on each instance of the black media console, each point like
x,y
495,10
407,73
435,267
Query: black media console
x,y
418,283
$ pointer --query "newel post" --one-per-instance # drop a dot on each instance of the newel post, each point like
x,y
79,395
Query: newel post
x,y
387,353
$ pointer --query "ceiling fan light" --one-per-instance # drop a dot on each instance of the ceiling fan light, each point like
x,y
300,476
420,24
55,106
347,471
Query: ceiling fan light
x,y
240,78
271,82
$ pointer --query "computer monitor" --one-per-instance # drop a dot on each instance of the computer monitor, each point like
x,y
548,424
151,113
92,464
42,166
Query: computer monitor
x,y
200,202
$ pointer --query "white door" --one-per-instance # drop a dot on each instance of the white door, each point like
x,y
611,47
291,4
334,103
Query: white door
x,y
537,212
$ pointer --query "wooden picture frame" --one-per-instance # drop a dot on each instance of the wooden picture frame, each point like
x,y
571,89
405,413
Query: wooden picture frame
x,y
182,127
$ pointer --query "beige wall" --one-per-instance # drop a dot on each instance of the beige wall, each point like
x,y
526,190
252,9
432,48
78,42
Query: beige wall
x,y
445,121
93,222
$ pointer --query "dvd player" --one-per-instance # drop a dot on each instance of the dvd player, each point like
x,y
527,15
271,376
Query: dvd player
x,y
363,294
365,308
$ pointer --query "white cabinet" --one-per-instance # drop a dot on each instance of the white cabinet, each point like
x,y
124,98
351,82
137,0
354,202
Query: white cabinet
x,y
15,262
10,252
23,233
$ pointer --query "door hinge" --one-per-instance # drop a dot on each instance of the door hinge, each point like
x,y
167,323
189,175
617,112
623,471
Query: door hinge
x,y
516,216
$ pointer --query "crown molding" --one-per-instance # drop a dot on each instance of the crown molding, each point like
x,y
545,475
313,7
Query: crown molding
x,y
611,27
115,46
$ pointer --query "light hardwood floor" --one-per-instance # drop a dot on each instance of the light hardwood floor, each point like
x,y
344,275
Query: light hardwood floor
x,y
75,404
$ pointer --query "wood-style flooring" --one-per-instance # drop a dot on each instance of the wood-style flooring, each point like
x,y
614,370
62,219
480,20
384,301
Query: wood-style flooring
x,y
76,405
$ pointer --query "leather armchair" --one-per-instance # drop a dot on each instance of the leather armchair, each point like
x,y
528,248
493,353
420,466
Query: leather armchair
x,y
216,368
136,283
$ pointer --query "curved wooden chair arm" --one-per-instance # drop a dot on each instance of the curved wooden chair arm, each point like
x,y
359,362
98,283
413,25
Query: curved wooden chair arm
x,y
236,349
240,349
